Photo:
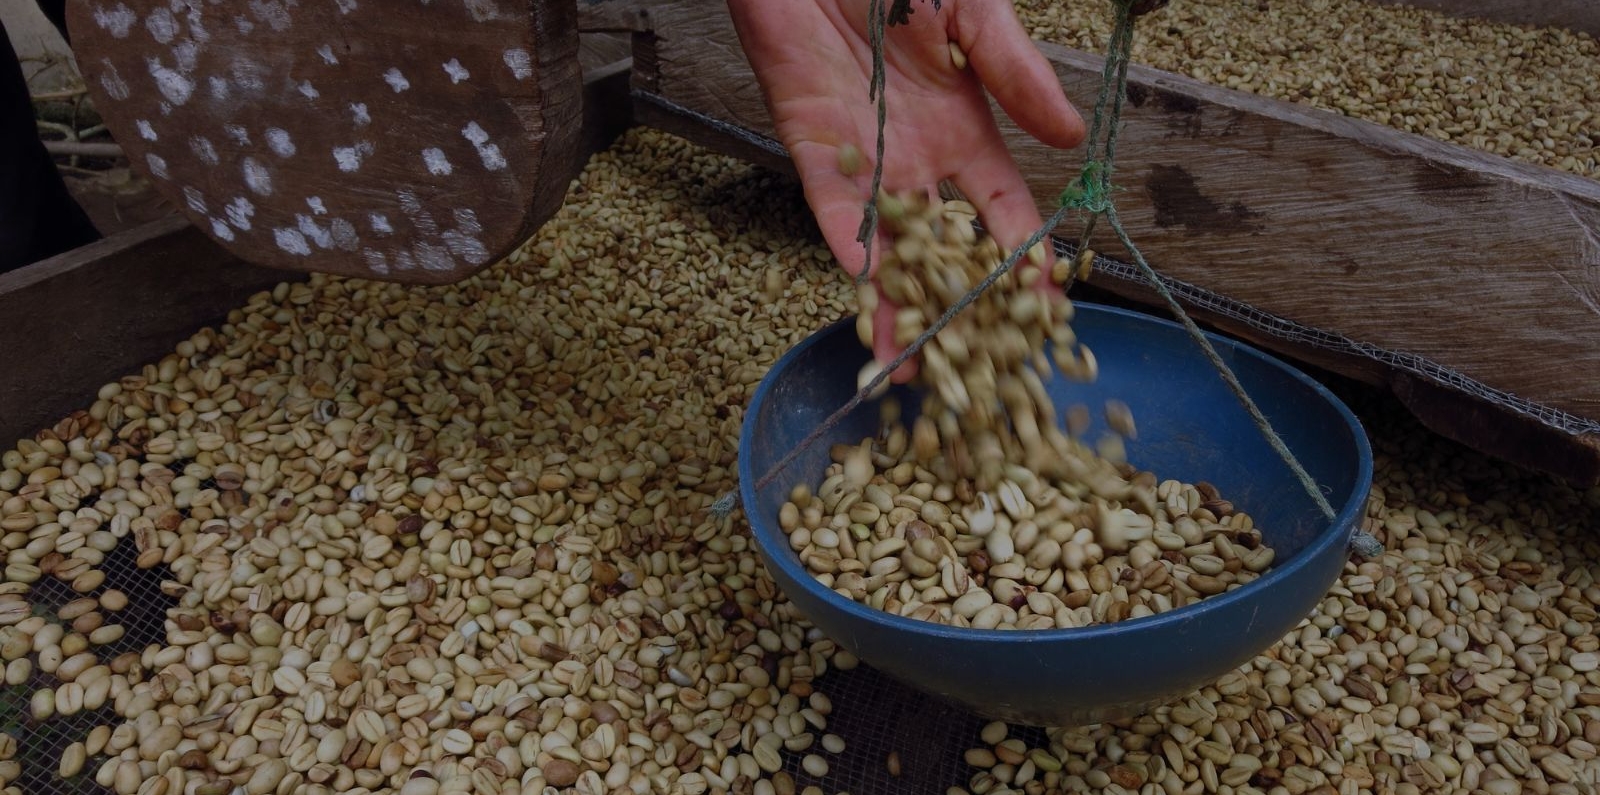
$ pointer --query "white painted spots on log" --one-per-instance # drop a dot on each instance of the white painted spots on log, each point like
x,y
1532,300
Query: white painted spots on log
x,y
173,84
396,81
376,261
308,91
272,12
456,71
146,131
358,110
420,217
344,234
239,212
349,157
492,158
248,74
326,53
291,241
256,177
380,223
117,20
162,25
194,199
316,205
238,133
187,55
463,241
434,257
482,10
310,228
157,164
279,142
203,149
197,30
438,164
519,62
115,86
219,87
221,230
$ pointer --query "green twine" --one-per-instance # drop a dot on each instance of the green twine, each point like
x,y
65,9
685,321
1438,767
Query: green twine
x,y
879,18
875,93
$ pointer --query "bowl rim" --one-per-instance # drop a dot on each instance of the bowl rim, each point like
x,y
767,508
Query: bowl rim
x,y
788,562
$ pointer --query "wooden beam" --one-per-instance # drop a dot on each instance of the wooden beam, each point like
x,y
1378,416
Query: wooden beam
x,y
654,110
1442,263
1486,427
81,319
1582,16
82,149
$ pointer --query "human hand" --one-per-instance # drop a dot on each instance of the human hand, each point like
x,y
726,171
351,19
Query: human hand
x,y
813,60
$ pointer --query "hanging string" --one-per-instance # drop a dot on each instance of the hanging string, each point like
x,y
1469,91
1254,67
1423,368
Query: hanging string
x,y
877,20
1090,193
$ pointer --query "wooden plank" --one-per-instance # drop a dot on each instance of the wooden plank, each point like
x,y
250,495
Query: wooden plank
x,y
1363,231
418,143
90,316
1582,16
1339,225
653,110
1483,426
602,50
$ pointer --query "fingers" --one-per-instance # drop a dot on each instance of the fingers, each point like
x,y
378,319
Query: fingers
x,y
836,200
1011,67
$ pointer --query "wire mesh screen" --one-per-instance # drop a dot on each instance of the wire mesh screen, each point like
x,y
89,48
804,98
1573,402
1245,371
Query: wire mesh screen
x,y
876,715
41,743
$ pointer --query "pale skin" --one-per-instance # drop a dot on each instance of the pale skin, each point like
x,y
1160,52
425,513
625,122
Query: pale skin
x,y
813,60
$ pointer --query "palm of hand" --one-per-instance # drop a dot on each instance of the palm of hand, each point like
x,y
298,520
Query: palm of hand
x,y
813,59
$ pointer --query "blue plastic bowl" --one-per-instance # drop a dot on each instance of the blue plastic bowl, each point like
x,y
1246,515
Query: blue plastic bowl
x,y
1190,427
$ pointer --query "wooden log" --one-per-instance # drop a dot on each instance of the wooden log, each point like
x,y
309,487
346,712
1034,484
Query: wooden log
x,y
1449,265
79,320
415,143
1582,16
